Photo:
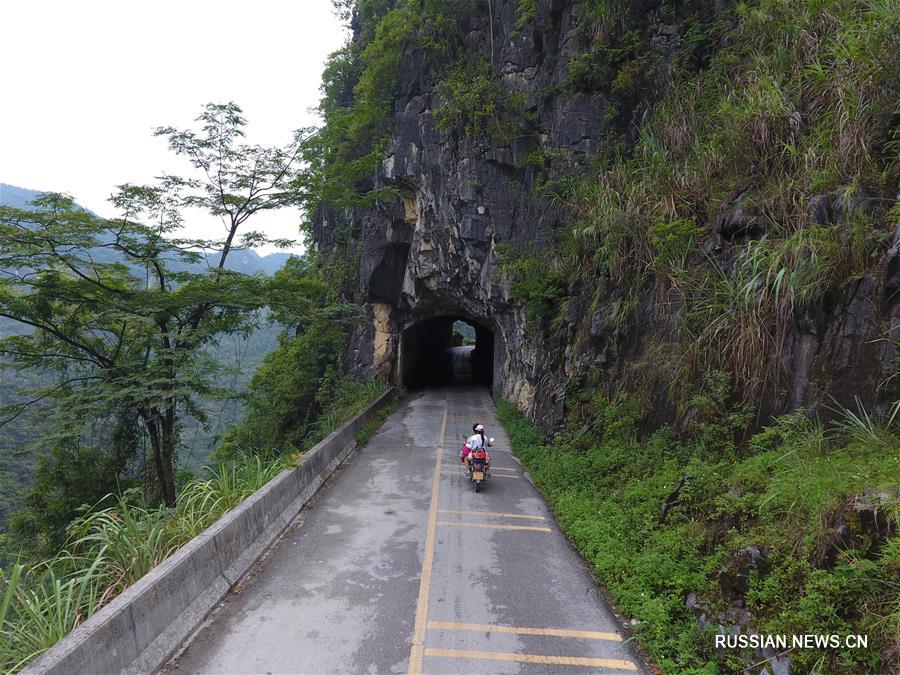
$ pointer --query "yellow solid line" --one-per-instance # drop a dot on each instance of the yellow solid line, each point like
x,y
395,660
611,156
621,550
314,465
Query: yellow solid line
x,y
621,664
488,526
552,632
416,652
490,513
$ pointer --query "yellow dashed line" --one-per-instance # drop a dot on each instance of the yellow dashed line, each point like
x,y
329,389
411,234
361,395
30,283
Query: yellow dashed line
x,y
621,664
469,418
490,513
488,526
551,632
450,470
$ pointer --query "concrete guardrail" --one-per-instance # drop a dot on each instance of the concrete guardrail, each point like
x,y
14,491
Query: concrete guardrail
x,y
144,626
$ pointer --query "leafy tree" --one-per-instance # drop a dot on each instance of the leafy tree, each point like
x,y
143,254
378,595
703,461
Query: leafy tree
x,y
297,380
72,475
114,309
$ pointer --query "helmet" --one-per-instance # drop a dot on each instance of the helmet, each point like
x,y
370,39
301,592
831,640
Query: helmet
x,y
478,428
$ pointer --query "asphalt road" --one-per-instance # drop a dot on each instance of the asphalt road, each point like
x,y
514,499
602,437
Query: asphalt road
x,y
398,566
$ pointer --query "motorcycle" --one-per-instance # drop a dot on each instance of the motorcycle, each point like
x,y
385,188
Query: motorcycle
x,y
479,468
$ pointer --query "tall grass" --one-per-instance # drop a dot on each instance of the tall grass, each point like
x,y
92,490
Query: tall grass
x,y
121,538
794,104
865,428
113,545
349,398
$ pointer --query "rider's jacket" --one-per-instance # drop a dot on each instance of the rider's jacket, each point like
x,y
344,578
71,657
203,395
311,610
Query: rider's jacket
x,y
475,442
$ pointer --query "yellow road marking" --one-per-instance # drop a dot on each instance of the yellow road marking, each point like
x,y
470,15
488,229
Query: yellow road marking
x,y
418,644
552,632
469,417
490,513
621,664
450,470
488,526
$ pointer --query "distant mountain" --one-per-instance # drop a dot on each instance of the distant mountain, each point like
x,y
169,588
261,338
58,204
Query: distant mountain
x,y
249,261
16,197
246,261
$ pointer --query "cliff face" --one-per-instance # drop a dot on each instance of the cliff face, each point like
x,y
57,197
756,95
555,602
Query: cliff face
x,y
461,199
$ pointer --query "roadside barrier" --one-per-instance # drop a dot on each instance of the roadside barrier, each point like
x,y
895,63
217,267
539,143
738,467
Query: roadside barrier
x,y
143,627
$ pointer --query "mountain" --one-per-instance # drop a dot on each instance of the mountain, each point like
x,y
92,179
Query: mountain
x,y
17,197
246,261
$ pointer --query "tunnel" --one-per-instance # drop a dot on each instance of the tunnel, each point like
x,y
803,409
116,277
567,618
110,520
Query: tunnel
x,y
446,350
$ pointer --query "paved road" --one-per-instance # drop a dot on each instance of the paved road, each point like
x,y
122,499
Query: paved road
x,y
399,566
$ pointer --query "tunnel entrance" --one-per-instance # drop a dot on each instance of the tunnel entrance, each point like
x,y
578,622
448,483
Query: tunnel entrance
x,y
446,350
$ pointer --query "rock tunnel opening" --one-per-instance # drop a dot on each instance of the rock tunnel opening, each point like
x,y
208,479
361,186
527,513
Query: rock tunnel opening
x,y
447,350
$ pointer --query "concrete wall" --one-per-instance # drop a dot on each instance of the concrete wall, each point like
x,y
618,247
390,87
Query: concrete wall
x,y
141,628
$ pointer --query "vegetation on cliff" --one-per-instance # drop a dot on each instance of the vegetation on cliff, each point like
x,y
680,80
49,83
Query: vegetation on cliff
x,y
360,85
785,146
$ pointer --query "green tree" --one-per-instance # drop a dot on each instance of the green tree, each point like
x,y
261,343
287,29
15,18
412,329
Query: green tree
x,y
116,309
298,379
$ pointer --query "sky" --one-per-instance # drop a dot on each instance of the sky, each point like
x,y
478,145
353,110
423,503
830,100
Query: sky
x,y
85,83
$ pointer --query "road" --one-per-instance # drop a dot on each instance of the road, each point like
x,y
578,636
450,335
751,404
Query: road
x,y
398,566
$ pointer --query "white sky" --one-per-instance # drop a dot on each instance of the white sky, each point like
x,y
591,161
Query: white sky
x,y
84,83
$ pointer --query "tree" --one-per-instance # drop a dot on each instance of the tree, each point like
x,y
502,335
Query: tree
x,y
118,310
297,379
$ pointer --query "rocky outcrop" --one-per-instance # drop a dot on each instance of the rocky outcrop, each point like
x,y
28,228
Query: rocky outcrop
x,y
432,250
734,581
862,525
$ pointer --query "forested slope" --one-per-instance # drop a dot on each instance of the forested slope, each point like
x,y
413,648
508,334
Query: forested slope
x,y
20,439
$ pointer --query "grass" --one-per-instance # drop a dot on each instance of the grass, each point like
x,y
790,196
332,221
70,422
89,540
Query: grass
x,y
792,104
109,548
120,539
785,490
349,398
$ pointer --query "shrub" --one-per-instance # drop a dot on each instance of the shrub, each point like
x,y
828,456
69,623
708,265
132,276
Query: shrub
x,y
606,485
534,283
473,105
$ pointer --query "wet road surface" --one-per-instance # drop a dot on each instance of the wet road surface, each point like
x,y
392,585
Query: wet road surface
x,y
398,566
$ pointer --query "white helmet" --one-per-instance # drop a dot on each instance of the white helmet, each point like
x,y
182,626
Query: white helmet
x,y
479,428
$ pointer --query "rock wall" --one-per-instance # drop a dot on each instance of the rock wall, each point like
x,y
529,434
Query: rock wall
x,y
432,250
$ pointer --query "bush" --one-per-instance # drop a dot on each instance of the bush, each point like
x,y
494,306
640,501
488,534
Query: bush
x,y
606,485
534,283
474,106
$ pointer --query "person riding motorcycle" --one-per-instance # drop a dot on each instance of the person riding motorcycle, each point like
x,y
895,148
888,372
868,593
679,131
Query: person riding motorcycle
x,y
476,441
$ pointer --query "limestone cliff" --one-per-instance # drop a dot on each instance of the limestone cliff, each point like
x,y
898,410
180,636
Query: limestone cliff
x,y
453,200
